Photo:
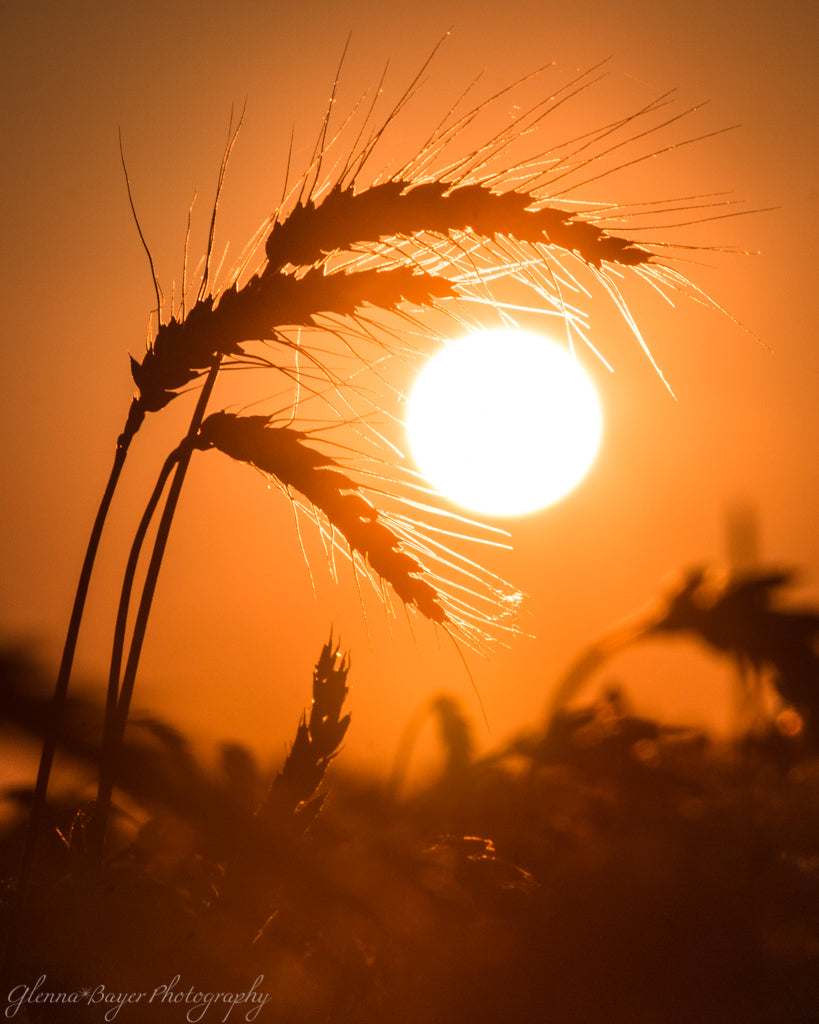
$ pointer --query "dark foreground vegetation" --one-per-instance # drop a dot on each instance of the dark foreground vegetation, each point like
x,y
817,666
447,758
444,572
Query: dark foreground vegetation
x,y
604,868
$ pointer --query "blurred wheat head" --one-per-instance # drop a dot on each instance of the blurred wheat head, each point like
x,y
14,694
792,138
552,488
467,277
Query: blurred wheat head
x,y
362,264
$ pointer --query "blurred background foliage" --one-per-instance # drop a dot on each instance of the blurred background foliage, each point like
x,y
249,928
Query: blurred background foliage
x,y
601,865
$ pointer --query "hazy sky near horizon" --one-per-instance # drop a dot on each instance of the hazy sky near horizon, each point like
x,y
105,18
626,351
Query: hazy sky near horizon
x,y
236,626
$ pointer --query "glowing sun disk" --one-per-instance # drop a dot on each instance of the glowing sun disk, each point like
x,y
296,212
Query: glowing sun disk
x,y
504,422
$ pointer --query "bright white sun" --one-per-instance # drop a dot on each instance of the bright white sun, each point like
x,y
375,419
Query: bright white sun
x,y
504,422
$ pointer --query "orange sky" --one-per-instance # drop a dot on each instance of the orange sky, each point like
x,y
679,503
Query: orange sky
x,y
236,626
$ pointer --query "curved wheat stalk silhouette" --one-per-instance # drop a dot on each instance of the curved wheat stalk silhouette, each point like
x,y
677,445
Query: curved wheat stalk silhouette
x,y
738,616
439,233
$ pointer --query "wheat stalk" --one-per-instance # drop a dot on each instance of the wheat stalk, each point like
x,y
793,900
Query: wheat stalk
x,y
134,419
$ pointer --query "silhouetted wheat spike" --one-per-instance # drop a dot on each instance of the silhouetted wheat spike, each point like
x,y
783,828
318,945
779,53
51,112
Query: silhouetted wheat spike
x,y
253,874
283,453
293,801
404,208
266,305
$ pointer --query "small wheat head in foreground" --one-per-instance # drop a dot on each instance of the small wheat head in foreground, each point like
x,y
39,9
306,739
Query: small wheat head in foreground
x,y
293,800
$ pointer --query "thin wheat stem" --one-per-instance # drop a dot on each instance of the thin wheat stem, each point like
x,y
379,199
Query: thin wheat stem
x,y
120,719
109,722
56,711
127,586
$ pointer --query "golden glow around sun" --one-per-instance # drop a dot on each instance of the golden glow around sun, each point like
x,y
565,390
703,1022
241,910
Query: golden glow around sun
x,y
504,422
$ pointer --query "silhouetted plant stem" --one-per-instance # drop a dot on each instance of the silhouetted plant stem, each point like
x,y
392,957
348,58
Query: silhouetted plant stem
x,y
120,627
133,422
119,716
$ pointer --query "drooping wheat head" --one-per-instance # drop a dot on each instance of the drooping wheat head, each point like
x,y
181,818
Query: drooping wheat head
x,y
384,548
